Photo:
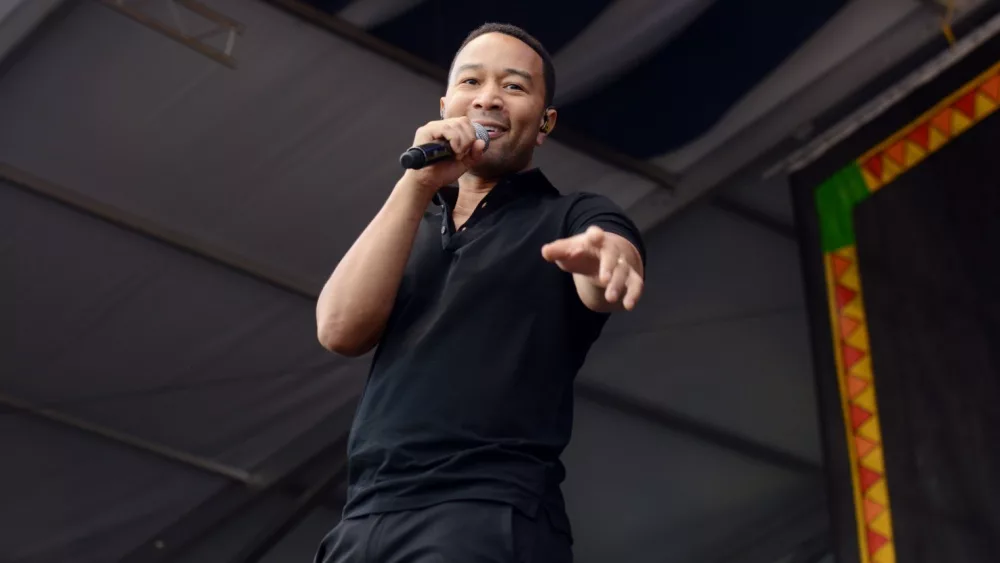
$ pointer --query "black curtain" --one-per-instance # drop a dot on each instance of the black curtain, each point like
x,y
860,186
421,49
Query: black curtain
x,y
929,253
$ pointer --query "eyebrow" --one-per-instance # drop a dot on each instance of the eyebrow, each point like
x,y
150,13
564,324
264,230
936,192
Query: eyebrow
x,y
522,73
515,71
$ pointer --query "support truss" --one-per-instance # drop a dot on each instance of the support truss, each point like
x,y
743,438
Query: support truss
x,y
145,12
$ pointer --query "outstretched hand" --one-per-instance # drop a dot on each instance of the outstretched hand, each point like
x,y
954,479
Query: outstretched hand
x,y
603,260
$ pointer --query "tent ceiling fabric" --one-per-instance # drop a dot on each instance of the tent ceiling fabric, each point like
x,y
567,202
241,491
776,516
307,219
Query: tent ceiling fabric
x,y
219,169
829,47
121,352
626,33
18,18
869,38
709,54
637,493
723,114
72,497
284,160
734,291
370,13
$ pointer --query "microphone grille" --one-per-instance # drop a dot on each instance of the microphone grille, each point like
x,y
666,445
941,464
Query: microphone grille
x,y
482,133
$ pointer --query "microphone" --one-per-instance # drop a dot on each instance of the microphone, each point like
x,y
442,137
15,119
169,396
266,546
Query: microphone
x,y
435,151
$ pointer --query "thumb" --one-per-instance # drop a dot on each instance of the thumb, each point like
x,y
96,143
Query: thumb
x,y
475,152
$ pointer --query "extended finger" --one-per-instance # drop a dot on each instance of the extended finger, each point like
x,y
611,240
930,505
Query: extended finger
x,y
563,248
562,252
555,250
609,261
616,287
635,285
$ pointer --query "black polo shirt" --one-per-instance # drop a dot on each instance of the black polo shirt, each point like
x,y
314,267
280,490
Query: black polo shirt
x,y
470,393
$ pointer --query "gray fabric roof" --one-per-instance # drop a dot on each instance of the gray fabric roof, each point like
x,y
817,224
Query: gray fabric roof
x,y
167,222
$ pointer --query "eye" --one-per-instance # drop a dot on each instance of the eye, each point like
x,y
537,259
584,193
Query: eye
x,y
470,81
516,87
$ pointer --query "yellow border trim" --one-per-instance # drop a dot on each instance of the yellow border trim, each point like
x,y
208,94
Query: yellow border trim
x,y
845,406
877,495
927,115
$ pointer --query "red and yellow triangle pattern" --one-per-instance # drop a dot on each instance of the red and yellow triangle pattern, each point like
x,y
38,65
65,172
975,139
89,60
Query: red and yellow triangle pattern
x,y
931,131
857,392
879,166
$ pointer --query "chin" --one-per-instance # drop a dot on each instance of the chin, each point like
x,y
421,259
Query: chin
x,y
492,168
500,165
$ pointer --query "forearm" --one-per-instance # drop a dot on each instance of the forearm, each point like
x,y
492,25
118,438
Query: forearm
x,y
356,301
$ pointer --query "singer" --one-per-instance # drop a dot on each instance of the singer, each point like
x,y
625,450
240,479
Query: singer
x,y
483,299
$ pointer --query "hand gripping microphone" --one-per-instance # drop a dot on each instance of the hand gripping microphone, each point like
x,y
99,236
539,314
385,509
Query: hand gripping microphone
x,y
435,151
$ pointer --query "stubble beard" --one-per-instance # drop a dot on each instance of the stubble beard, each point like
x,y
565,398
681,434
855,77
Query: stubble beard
x,y
510,161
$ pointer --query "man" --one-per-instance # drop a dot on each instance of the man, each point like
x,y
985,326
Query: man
x,y
483,300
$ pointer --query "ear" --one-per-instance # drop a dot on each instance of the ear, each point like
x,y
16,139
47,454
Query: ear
x,y
547,125
442,108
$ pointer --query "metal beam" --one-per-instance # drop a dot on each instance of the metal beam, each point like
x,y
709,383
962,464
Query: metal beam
x,y
591,391
19,19
208,13
29,182
166,452
888,98
24,23
223,23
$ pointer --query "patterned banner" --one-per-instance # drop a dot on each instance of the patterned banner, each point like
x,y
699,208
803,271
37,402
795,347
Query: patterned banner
x,y
835,201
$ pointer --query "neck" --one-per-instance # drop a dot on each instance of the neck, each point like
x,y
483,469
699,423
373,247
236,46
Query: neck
x,y
470,184
471,190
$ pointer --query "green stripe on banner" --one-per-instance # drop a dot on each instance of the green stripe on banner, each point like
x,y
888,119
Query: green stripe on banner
x,y
835,201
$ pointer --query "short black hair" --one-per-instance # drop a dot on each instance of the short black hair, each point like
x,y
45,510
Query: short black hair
x,y
548,69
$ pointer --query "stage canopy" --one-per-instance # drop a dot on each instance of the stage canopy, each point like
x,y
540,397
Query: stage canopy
x,y
177,179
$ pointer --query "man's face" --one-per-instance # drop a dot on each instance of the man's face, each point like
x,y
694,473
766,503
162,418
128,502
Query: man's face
x,y
498,81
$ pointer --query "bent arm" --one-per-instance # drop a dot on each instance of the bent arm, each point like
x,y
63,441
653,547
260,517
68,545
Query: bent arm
x,y
356,301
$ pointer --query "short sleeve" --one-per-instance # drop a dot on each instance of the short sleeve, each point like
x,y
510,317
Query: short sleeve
x,y
592,209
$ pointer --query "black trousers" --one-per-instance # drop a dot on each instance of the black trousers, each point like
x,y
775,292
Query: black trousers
x,y
450,532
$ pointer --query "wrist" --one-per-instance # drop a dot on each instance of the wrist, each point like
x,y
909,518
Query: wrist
x,y
410,192
412,184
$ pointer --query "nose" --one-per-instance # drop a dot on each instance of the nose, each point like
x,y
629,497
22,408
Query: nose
x,y
488,97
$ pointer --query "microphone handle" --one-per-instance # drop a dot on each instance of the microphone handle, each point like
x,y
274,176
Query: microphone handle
x,y
423,155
